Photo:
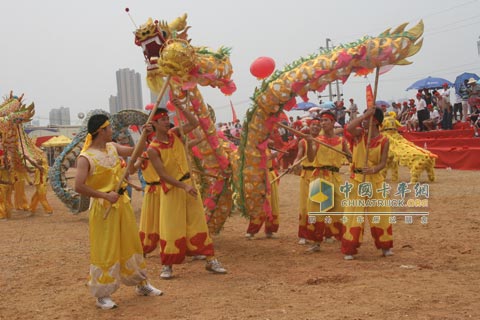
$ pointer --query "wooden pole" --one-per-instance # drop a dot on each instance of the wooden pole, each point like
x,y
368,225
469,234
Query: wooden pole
x,y
290,168
137,151
370,121
303,135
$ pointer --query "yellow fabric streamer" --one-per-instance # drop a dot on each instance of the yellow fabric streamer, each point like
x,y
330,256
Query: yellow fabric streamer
x,y
88,139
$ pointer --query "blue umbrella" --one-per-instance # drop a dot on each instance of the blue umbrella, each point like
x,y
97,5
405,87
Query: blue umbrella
x,y
379,103
461,78
429,83
304,106
327,105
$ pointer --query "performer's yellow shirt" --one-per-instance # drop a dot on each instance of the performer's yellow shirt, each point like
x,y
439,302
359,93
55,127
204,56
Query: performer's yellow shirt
x,y
374,156
172,153
326,156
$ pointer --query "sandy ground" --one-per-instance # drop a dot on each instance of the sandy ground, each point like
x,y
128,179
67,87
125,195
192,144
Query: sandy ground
x,y
434,273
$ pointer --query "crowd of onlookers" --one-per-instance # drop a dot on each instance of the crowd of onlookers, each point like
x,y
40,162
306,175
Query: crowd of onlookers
x,y
430,110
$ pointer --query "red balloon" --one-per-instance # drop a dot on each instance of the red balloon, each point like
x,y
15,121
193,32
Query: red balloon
x,y
149,106
262,67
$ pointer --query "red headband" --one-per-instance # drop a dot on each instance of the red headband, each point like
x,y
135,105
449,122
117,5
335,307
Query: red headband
x,y
313,121
328,116
160,115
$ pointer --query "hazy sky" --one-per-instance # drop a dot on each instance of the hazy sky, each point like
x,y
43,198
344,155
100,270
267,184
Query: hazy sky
x,y
65,53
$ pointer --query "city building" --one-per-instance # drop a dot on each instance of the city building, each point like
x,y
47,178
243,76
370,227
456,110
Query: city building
x,y
129,91
59,117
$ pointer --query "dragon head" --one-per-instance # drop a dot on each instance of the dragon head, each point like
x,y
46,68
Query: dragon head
x,y
15,111
153,37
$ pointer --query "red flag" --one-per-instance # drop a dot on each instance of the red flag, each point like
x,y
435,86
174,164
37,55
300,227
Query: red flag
x,y
370,102
234,114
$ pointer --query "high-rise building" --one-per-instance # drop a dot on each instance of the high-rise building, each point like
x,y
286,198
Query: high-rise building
x,y
129,91
113,103
59,117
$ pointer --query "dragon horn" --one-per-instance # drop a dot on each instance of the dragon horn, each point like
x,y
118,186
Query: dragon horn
x,y
179,23
416,31
385,33
415,48
400,28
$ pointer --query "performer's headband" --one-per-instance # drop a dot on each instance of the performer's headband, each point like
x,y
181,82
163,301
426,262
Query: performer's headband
x,y
328,116
88,139
160,115
314,121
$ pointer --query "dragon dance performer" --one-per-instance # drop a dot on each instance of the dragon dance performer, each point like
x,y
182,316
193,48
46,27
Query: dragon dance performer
x,y
150,216
183,227
19,196
327,165
272,213
5,188
305,179
40,182
367,181
115,248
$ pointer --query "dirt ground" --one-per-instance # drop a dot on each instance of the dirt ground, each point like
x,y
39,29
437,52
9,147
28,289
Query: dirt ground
x,y
434,273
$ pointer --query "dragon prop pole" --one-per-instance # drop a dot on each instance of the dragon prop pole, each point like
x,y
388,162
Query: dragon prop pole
x,y
370,121
290,168
300,134
137,151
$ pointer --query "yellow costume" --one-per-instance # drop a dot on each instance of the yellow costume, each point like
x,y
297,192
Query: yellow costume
x,y
327,163
306,176
150,216
5,188
183,227
380,226
115,248
40,195
20,198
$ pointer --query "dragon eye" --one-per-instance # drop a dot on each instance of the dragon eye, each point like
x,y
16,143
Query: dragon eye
x,y
164,34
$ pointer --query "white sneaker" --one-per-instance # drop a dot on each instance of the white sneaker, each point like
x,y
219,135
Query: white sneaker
x,y
302,241
249,236
199,257
387,252
329,240
105,303
348,257
270,235
314,248
167,272
146,289
215,266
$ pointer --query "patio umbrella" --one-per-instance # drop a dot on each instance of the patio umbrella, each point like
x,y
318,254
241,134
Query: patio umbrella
x,y
379,103
429,83
327,105
461,78
304,106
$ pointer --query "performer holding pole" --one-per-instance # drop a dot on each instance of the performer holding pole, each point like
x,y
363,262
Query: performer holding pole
x,y
183,228
305,178
367,181
327,164
115,250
